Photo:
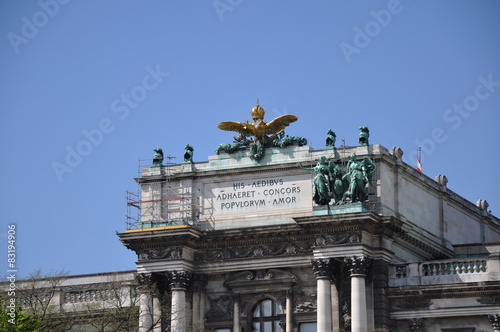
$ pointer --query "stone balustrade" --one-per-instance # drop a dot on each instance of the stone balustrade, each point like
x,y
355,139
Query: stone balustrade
x,y
449,271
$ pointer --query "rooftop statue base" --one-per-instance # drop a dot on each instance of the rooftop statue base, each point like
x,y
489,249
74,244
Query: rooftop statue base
x,y
323,210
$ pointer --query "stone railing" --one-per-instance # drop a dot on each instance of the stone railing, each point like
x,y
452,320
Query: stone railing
x,y
445,271
453,267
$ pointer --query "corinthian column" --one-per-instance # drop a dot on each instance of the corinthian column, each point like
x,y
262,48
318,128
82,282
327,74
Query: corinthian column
x,y
145,288
358,267
322,270
179,282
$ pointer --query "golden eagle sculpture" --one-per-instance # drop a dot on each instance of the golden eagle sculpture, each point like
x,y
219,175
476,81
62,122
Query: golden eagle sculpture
x,y
265,134
261,130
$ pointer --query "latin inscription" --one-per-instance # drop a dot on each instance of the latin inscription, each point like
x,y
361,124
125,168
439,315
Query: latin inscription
x,y
258,194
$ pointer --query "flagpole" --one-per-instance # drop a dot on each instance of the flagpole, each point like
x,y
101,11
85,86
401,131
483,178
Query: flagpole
x,y
419,160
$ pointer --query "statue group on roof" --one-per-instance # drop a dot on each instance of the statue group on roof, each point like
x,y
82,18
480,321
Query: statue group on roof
x,y
349,186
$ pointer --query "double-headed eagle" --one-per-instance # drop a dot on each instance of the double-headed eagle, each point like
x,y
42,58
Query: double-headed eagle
x,y
261,130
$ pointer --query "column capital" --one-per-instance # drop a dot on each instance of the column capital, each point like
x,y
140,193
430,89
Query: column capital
x,y
145,281
495,321
322,268
179,279
416,324
358,265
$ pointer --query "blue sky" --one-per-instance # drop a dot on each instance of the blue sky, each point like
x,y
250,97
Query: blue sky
x,y
90,87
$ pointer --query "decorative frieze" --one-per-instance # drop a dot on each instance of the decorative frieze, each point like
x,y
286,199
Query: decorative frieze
x,y
257,251
343,238
160,253
492,299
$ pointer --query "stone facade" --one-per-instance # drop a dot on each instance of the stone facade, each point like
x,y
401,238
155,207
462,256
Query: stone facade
x,y
251,238
232,244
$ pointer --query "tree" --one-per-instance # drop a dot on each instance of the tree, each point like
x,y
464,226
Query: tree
x,y
12,319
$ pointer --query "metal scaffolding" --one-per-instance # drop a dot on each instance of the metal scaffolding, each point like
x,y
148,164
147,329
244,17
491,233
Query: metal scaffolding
x,y
159,203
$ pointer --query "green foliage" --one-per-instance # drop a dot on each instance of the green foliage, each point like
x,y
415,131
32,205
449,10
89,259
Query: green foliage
x,y
12,319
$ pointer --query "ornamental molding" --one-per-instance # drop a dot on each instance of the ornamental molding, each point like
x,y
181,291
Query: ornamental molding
x,y
305,303
416,324
358,265
256,251
333,239
495,321
179,279
221,308
267,278
490,299
160,253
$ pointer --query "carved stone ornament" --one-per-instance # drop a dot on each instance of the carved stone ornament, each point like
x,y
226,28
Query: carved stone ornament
x,y
163,253
495,321
493,299
221,307
281,249
346,314
325,240
245,278
322,268
179,279
416,324
358,265
144,281
305,303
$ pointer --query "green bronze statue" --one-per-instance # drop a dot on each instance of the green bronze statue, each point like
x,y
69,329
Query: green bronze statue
x,y
359,173
364,135
338,185
331,137
157,158
188,154
321,182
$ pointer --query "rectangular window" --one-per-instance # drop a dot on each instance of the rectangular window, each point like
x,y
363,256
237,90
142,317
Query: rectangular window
x,y
222,330
308,327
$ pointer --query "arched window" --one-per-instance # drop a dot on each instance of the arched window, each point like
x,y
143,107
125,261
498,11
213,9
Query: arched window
x,y
265,316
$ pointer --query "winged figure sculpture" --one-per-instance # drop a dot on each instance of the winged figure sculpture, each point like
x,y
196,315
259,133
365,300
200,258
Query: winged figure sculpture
x,y
261,130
